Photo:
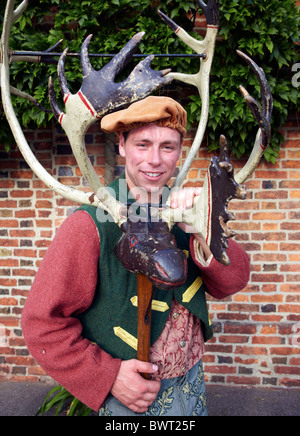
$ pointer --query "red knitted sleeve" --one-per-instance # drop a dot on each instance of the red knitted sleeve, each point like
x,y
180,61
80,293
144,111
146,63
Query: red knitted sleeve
x,y
222,281
63,287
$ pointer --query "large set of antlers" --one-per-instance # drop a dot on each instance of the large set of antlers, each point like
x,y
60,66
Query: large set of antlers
x,y
100,95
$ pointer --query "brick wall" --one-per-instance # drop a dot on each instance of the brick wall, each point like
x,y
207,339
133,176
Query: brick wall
x,y
255,340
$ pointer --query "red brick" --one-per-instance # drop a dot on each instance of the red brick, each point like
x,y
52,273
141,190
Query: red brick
x,y
21,174
269,340
268,174
25,213
7,283
285,351
228,339
9,262
7,184
238,359
21,193
267,298
20,360
44,194
44,223
290,164
36,370
43,243
289,205
268,330
243,380
8,204
9,242
220,369
287,370
269,257
22,233
289,308
268,236
43,204
9,321
267,278
262,216
251,350
24,252
8,302
271,195
290,226
9,224
289,383
290,268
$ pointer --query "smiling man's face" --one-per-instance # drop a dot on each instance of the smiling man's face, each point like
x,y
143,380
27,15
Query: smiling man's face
x,y
151,154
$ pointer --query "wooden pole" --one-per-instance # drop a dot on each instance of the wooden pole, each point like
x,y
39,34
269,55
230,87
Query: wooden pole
x,y
144,319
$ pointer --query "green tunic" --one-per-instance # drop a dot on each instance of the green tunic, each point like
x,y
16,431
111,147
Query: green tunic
x,y
111,321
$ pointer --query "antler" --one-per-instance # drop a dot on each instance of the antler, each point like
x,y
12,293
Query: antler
x,y
201,79
262,116
209,216
99,94
227,186
10,17
81,109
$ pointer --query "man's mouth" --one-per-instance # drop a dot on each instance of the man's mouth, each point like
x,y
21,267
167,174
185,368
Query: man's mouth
x,y
152,175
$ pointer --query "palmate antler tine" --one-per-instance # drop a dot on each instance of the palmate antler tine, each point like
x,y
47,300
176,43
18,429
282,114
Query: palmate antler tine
x,y
118,63
266,95
86,65
22,94
211,11
47,59
21,9
262,115
145,64
49,50
62,74
194,44
58,113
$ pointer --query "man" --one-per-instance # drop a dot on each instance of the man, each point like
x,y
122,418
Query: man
x,y
80,318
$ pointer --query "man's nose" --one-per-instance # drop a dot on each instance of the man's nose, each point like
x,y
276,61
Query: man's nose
x,y
154,156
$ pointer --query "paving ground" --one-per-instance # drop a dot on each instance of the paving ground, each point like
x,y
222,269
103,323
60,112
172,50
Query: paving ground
x,y
24,399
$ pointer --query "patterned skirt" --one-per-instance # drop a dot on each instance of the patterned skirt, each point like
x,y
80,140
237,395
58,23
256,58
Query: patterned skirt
x,y
181,396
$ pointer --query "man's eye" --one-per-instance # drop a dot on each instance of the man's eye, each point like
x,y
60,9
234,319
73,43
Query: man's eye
x,y
169,148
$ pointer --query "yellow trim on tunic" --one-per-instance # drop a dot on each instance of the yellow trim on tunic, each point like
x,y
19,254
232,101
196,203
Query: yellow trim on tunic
x,y
126,337
192,290
159,306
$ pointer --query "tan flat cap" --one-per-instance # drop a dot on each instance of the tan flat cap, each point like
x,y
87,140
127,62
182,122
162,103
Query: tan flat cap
x,y
162,111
